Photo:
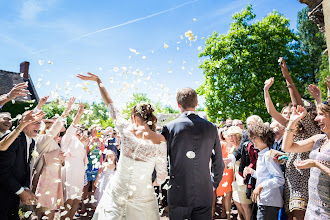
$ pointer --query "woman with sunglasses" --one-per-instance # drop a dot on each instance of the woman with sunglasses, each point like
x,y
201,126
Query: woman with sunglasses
x,y
46,180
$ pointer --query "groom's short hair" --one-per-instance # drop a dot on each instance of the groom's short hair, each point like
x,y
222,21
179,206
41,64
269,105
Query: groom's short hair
x,y
187,98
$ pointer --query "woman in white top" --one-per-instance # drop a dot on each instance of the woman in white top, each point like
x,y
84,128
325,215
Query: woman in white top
x,y
129,194
74,144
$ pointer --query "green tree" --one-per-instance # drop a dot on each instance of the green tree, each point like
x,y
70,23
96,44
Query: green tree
x,y
142,97
310,45
238,63
322,74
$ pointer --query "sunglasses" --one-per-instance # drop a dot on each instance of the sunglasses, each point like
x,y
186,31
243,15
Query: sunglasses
x,y
62,134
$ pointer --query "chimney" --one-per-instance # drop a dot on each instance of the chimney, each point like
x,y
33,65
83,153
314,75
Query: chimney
x,y
24,68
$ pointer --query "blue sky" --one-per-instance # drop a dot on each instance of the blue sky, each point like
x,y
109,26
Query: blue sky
x,y
70,34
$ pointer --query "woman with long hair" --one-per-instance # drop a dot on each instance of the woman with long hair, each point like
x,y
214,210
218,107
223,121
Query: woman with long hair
x,y
130,194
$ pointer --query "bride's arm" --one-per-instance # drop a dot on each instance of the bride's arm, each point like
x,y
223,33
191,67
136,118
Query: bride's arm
x,y
161,163
104,93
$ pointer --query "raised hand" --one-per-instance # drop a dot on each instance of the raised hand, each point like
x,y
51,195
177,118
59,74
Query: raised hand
x,y
90,77
68,109
42,101
283,65
327,82
18,90
315,92
268,83
297,113
81,108
29,118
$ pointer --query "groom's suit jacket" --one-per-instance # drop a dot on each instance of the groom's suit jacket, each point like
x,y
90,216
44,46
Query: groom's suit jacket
x,y
191,143
14,171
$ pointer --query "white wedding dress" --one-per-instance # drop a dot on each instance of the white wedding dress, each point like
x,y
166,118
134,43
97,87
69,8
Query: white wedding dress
x,y
130,194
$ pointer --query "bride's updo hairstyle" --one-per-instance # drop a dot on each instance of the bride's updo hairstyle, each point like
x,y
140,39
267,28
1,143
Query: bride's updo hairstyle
x,y
145,112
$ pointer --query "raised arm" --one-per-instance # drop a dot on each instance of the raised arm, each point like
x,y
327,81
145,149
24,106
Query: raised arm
x,y
18,90
269,104
28,119
41,103
316,93
306,164
79,114
104,93
299,146
294,94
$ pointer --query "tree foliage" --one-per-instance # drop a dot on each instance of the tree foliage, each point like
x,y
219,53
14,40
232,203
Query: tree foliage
x,y
311,43
238,63
142,97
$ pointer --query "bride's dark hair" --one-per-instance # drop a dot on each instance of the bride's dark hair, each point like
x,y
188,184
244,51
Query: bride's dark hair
x,y
145,112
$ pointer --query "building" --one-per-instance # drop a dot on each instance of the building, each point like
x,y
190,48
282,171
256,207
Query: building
x,y
9,79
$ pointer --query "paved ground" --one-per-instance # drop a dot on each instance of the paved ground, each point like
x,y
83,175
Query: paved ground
x,y
165,217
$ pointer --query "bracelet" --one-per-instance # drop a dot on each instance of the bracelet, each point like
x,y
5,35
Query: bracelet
x,y
304,117
8,96
288,86
289,130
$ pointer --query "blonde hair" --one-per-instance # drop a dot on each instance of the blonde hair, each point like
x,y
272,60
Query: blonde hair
x,y
255,119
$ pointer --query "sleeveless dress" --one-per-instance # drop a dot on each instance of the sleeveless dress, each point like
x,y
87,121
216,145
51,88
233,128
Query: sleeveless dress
x,y
228,173
130,194
296,180
319,185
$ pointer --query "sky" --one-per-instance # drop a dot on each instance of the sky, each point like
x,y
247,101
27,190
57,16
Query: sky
x,y
133,46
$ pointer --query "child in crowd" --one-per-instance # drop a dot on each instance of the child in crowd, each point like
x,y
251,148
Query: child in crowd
x,y
269,188
104,174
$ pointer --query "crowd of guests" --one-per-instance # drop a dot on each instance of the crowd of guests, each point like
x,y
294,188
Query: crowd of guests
x,y
277,170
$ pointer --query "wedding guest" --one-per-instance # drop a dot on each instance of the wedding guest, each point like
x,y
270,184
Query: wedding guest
x,y
239,123
15,165
295,189
5,123
318,162
46,180
104,174
18,90
269,187
278,131
232,137
74,145
95,149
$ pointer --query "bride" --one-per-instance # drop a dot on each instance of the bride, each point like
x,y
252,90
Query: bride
x,y
130,194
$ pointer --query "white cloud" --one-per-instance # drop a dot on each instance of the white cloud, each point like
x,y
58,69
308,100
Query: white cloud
x,y
31,8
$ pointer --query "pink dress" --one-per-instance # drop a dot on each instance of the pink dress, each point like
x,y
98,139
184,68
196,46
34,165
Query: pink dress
x,y
46,182
75,165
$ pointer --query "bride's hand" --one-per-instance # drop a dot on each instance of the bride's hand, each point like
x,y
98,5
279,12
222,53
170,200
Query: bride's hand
x,y
91,77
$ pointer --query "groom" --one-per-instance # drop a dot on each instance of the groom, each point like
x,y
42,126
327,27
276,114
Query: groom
x,y
191,143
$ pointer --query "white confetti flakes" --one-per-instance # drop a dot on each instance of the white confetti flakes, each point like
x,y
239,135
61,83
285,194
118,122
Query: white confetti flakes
x,y
225,184
27,214
190,154
165,46
41,62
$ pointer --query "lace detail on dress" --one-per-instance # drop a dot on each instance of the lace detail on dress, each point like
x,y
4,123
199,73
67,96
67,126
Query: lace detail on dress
x,y
139,149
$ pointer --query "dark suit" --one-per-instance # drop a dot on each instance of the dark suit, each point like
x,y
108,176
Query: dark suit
x,y
191,192
14,174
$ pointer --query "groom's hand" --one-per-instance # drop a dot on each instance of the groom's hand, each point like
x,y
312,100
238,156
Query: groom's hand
x,y
28,198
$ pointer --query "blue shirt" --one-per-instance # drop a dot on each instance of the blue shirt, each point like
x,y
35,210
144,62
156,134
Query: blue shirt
x,y
270,176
